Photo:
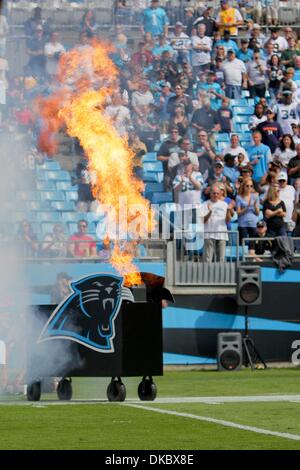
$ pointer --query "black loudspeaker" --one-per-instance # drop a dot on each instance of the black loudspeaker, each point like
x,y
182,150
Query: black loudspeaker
x,y
249,287
230,351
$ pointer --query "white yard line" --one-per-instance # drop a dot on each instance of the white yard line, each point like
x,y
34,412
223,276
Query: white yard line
x,y
221,422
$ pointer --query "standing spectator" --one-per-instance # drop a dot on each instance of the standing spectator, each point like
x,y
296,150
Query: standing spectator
x,y
274,211
227,43
235,148
270,130
259,156
34,21
161,103
213,90
28,239
296,132
296,220
216,216
244,53
35,50
187,184
285,151
139,149
180,98
154,20
257,75
82,245
205,118
257,117
53,50
180,43
4,29
88,24
218,176
275,73
183,154
180,120
147,126
229,18
288,56
235,75
247,207
280,43
162,46
205,153
208,20
189,20
294,165
82,179
143,56
201,50
287,194
231,170
54,244
169,146
142,97
224,116
119,114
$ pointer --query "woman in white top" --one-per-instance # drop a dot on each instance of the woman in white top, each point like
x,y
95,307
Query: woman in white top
x,y
286,150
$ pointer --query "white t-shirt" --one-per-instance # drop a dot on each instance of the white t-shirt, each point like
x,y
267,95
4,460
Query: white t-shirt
x,y
286,114
52,62
235,152
233,70
201,57
254,121
288,196
142,99
120,116
216,223
179,43
280,44
284,156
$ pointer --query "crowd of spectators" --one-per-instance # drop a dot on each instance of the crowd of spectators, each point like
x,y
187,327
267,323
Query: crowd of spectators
x,y
180,87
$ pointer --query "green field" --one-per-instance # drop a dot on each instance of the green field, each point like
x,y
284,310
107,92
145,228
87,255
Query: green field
x,y
137,425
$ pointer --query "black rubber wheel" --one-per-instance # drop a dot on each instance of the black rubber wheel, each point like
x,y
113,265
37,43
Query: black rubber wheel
x,y
34,391
116,391
147,390
64,389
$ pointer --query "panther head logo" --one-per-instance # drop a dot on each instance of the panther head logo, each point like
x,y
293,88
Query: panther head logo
x,y
87,316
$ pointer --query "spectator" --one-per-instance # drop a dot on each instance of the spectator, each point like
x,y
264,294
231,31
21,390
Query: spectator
x,y
231,171
296,220
4,30
270,130
296,132
180,43
280,43
257,35
285,151
35,50
274,211
288,56
155,20
293,167
180,120
88,24
259,156
218,176
167,67
54,245
189,20
119,114
28,239
201,50
235,75
216,216
142,97
247,207
82,178
53,50
147,126
61,289
213,89
229,18
244,53
180,98
226,42
208,21
161,47
169,146
187,184
287,194
257,117
139,149
268,180
161,104
224,116
234,148
268,52
143,56
36,20
183,154
261,246
275,73
256,71
82,245
288,84
205,153
205,118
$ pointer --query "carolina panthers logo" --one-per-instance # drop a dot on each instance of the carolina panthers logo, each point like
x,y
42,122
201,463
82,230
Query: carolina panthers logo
x,y
87,316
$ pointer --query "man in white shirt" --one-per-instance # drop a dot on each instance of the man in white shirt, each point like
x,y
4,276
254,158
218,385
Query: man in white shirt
x,y
181,44
288,196
187,185
279,42
216,215
141,97
235,149
201,50
184,153
235,75
53,51
287,112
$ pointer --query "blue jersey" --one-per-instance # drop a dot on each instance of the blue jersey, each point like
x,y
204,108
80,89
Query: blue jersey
x,y
215,102
261,153
245,56
154,20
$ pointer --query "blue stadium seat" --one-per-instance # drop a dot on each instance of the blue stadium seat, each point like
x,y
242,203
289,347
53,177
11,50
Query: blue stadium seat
x,y
73,216
222,137
58,175
153,166
47,227
50,216
41,175
150,157
250,102
62,206
31,216
159,198
239,102
240,119
71,195
64,186
152,187
243,110
45,186
245,93
245,127
152,177
221,146
52,196
51,165
38,205
27,196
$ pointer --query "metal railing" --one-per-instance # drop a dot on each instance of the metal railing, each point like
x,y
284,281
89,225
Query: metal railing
x,y
267,255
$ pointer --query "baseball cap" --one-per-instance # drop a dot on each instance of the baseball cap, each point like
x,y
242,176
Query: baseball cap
x,y
244,41
178,23
269,110
294,123
282,176
220,163
164,83
256,26
230,51
287,93
261,223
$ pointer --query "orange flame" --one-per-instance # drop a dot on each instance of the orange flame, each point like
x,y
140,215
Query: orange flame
x,y
86,79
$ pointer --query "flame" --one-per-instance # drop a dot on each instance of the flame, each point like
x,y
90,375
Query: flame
x,y
87,77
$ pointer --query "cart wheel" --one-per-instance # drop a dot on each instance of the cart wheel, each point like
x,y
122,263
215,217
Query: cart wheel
x,y
34,391
147,390
64,389
116,390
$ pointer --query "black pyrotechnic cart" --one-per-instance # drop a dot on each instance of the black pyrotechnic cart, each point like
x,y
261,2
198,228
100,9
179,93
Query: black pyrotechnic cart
x,y
137,345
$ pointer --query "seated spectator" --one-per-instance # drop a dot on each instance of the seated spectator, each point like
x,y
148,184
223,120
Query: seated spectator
x,y
183,154
227,43
143,56
205,153
180,98
257,35
187,184
186,79
224,116
235,76
180,120
257,117
216,216
54,244
168,67
231,170
285,151
82,245
288,83
247,207
261,246
257,75
274,211
28,239
296,132
234,148
287,111
259,156
270,130
61,289
53,50
288,56
293,167
88,23
287,194
205,118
